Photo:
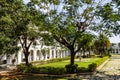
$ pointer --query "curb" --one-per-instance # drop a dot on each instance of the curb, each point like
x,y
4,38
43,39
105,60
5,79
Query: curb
x,y
102,65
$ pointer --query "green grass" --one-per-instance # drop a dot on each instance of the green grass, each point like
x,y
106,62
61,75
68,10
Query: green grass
x,y
83,63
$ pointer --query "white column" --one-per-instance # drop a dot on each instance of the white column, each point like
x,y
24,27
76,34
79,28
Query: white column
x,y
61,54
50,56
41,55
64,53
45,55
8,59
29,57
34,55
19,56
54,53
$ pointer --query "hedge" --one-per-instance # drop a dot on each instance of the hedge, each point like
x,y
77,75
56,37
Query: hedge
x,y
58,70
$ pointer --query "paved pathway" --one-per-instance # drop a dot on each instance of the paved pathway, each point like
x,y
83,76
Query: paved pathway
x,y
6,69
110,71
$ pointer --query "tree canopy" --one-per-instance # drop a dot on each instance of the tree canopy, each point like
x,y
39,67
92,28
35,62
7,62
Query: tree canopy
x,y
68,22
69,25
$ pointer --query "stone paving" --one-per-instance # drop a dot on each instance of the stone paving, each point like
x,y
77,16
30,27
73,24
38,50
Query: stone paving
x,y
110,71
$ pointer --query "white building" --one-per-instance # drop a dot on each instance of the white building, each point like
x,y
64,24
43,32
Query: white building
x,y
38,52
115,48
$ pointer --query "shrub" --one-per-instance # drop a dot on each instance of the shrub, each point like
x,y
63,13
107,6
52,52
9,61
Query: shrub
x,y
23,68
82,69
109,55
50,61
44,70
71,68
93,55
57,71
92,67
57,59
48,70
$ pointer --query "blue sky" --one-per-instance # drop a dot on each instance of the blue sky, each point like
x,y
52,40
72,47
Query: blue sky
x,y
115,39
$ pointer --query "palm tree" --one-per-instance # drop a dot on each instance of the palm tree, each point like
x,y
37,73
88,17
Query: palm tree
x,y
102,44
87,43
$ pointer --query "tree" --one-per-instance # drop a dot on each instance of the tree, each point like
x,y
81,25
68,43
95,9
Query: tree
x,y
87,43
18,22
30,33
69,25
8,42
102,44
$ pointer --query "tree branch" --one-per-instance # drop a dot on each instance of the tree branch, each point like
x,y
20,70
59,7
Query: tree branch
x,y
63,41
78,49
74,40
29,45
20,42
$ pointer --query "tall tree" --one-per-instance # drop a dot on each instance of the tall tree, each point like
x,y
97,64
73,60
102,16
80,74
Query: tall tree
x,y
70,23
88,43
18,22
8,42
102,44
29,33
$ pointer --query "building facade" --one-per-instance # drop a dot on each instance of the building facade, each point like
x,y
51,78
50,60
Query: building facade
x,y
115,48
37,53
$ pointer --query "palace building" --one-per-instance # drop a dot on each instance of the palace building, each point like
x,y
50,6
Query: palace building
x,y
37,52
115,48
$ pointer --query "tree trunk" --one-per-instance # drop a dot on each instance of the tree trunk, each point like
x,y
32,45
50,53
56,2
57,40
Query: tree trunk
x,y
26,58
72,57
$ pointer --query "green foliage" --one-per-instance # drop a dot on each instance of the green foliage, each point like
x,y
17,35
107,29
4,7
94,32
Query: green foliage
x,y
9,12
102,44
87,1
49,70
57,59
44,70
71,68
92,67
50,61
109,55
99,62
24,68
82,70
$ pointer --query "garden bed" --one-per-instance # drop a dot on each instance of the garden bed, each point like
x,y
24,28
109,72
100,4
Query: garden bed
x,y
88,65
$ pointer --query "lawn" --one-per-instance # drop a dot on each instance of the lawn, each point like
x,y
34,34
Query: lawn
x,y
83,63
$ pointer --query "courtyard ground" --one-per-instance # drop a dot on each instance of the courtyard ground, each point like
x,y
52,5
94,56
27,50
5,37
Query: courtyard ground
x,y
110,71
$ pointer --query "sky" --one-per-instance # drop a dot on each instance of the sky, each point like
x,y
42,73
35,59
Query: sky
x,y
114,39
